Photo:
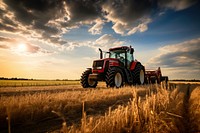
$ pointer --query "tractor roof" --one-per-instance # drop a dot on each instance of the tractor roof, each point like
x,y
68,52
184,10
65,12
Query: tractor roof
x,y
120,48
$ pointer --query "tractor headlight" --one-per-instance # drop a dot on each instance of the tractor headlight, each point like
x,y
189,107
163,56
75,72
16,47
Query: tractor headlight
x,y
98,67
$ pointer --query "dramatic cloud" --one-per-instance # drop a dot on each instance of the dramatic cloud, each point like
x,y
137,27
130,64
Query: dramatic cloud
x,y
22,47
96,29
142,27
105,42
3,46
49,20
129,16
83,10
31,18
6,39
6,43
126,15
183,56
176,4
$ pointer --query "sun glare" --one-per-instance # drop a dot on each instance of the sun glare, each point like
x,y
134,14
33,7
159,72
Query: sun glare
x,y
22,48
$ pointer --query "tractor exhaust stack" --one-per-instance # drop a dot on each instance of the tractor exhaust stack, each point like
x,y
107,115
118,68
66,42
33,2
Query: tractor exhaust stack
x,y
101,54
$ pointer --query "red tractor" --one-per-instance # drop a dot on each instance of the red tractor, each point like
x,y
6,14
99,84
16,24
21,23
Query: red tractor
x,y
118,67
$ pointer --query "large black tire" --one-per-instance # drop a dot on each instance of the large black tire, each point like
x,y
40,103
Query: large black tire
x,y
114,77
139,75
85,82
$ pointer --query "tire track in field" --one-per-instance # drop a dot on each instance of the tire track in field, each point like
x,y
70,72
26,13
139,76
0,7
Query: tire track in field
x,y
184,124
189,122
186,118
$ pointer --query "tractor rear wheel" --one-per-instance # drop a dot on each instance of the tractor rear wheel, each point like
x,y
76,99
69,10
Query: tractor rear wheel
x,y
139,75
114,77
86,82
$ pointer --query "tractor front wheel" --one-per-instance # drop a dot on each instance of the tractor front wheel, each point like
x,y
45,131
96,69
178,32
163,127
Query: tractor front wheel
x,y
86,82
114,77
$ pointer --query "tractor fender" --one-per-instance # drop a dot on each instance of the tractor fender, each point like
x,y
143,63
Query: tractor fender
x,y
134,64
138,63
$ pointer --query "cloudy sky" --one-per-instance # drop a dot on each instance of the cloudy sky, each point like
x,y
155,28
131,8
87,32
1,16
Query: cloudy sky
x,y
58,39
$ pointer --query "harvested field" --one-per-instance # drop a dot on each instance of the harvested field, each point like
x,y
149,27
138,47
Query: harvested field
x,y
69,108
22,83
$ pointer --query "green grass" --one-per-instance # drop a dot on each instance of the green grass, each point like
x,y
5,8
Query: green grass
x,y
20,83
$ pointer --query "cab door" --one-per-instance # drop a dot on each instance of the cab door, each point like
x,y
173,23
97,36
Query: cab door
x,y
130,59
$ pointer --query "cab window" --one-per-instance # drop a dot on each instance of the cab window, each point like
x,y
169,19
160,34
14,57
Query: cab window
x,y
129,58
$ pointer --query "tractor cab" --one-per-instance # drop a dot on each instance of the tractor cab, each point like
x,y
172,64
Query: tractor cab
x,y
124,54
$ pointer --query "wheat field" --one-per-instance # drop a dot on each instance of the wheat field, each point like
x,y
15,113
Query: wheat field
x,y
21,83
148,108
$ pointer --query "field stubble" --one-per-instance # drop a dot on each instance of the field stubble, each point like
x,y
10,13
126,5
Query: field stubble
x,y
166,111
148,108
26,108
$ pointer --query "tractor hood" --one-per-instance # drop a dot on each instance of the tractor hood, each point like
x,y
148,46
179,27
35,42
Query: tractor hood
x,y
101,65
